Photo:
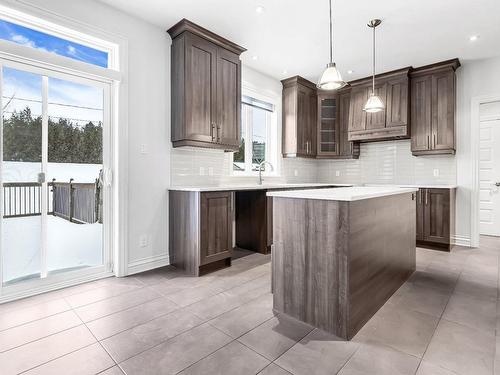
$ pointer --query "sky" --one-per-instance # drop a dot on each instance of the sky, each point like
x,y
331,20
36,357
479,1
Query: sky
x,y
36,39
66,98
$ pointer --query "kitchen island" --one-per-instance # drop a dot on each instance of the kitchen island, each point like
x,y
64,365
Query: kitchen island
x,y
339,254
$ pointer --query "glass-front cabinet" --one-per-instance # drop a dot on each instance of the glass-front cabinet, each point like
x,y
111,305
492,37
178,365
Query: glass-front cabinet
x,y
328,137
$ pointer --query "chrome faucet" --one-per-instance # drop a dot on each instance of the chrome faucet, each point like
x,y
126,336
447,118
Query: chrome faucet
x,y
260,170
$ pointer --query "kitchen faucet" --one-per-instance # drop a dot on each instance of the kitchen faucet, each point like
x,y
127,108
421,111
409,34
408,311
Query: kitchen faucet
x,y
260,170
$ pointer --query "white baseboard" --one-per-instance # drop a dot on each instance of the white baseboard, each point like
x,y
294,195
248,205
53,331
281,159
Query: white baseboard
x,y
461,241
147,264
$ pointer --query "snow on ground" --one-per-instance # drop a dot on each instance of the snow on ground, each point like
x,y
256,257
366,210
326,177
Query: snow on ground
x,y
13,171
69,245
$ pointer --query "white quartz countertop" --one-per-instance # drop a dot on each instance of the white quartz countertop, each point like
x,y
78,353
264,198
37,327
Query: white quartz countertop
x,y
237,187
422,186
349,194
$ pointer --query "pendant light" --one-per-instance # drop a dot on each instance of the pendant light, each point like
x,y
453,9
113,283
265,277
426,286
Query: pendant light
x,y
331,78
374,103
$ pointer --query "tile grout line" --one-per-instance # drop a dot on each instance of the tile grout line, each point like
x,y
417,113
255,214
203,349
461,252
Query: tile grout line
x,y
439,321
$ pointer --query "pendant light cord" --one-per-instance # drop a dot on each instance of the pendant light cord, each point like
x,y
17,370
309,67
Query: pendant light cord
x,y
373,78
331,33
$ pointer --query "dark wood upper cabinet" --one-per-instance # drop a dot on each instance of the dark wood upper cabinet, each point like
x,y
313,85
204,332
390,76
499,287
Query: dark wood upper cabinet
x,y
433,91
206,88
391,123
333,123
299,117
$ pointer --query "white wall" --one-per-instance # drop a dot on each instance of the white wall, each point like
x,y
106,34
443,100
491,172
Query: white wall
x,y
148,116
474,79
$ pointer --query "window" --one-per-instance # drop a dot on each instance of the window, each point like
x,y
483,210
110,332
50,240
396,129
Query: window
x,y
39,40
258,136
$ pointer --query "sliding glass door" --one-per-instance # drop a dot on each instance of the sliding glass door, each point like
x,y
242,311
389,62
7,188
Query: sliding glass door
x,y
54,128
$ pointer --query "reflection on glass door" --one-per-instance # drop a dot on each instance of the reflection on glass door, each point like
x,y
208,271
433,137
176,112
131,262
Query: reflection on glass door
x,y
21,175
74,223
52,196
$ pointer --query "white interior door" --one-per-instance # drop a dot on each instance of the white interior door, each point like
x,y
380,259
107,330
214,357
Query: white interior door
x,y
489,169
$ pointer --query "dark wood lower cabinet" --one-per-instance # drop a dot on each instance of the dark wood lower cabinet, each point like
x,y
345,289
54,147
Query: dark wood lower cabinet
x,y
436,218
201,230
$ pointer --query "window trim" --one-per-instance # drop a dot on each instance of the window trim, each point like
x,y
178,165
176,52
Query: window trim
x,y
274,148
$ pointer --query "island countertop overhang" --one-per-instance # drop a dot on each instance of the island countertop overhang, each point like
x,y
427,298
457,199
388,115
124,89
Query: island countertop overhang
x,y
346,194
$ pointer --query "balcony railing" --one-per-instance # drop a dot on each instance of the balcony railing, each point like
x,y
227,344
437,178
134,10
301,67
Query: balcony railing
x,y
76,202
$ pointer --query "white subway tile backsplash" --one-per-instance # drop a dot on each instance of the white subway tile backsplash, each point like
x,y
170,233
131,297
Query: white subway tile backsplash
x,y
389,162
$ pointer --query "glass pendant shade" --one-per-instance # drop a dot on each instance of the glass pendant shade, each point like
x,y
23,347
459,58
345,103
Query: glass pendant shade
x,y
331,79
374,104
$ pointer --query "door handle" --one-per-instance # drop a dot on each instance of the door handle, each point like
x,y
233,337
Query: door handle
x,y
212,131
41,177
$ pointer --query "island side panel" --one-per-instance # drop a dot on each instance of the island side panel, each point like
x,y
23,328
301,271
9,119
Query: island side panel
x,y
382,249
184,233
310,262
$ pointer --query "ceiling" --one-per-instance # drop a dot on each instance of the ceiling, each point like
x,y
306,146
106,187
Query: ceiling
x,y
291,37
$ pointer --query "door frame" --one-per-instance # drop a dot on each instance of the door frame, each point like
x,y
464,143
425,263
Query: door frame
x,y
63,279
475,144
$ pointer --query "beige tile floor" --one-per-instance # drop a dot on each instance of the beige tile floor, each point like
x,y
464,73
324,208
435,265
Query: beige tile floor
x,y
443,321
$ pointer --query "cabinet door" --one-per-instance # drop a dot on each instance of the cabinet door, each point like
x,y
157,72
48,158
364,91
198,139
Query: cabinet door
x,y
443,111
228,98
421,113
376,120
420,214
200,89
357,117
328,135
312,124
397,102
302,120
216,224
346,148
437,215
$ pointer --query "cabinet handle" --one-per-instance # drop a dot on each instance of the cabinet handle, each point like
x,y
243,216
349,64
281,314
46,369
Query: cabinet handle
x,y
218,133
434,141
212,131
428,142
420,195
426,196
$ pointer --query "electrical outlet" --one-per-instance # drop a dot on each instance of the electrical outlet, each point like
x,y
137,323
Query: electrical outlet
x,y
144,148
295,172
210,171
337,173
143,240
436,172
202,171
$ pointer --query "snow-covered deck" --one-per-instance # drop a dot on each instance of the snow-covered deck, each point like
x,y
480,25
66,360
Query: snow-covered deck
x,y
69,245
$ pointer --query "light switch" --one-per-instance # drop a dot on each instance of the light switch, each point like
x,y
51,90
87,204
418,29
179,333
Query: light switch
x,y
295,172
337,173
210,171
436,172
202,171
